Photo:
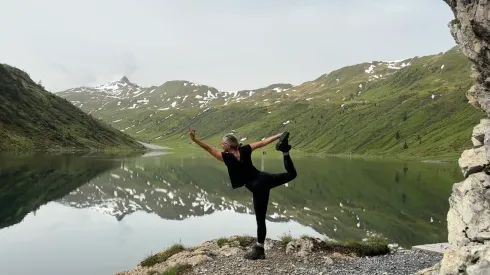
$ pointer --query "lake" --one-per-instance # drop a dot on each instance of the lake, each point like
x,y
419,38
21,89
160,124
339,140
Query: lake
x,y
103,214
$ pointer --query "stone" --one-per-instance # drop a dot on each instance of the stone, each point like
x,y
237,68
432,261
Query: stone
x,y
486,142
338,256
476,142
473,161
302,247
433,270
480,130
471,260
469,211
327,260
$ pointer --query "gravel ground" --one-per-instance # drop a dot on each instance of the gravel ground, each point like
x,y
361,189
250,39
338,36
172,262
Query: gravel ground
x,y
277,262
399,263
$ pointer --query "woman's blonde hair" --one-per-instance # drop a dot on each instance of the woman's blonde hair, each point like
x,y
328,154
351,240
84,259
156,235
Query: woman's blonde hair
x,y
232,141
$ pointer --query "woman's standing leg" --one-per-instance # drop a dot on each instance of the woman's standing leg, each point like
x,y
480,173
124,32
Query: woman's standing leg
x,y
260,202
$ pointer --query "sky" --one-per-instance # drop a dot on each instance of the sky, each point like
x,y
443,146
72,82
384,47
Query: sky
x,y
230,45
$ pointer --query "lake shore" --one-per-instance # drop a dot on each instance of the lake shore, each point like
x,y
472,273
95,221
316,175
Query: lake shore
x,y
186,148
304,255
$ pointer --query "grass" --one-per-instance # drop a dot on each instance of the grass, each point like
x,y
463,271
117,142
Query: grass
x,y
243,241
285,239
222,241
373,246
162,256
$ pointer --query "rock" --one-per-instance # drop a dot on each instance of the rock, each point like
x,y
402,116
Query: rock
x,y
468,216
471,260
301,247
187,257
487,143
327,260
433,270
470,29
338,256
476,142
473,161
393,246
479,130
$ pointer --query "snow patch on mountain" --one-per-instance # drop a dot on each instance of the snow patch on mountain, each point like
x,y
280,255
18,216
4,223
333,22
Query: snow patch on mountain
x,y
370,69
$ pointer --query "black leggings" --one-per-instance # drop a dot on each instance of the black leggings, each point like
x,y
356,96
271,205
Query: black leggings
x,y
261,188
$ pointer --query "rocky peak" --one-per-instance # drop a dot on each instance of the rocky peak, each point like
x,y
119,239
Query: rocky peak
x,y
124,79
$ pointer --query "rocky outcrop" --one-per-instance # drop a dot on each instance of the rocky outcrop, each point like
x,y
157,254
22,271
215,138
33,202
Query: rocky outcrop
x,y
207,251
305,255
471,30
469,214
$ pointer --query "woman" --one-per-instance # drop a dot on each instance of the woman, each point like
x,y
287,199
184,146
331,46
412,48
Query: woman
x,y
242,172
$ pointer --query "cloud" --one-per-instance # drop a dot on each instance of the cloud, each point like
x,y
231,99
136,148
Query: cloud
x,y
231,45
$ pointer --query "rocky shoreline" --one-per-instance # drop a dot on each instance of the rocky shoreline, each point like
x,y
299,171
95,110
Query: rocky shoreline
x,y
305,255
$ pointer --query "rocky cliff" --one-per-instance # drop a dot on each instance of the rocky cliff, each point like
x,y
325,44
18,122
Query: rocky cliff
x,y
469,214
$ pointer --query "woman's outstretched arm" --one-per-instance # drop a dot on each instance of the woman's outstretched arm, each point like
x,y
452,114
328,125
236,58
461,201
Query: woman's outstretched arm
x,y
215,153
264,142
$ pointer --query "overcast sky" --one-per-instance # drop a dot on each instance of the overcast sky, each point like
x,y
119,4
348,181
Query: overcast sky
x,y
228,44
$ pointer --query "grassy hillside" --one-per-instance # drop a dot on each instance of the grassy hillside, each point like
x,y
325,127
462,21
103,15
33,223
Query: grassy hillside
x,y
409,108
34,119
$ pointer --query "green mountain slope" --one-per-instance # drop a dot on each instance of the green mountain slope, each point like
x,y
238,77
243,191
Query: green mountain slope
x,y
34,119
413,108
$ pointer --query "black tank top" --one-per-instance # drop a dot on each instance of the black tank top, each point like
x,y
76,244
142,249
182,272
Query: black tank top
x,y
240,171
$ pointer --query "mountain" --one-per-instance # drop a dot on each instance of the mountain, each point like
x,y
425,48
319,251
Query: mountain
x,y
33,119
122,95
414,107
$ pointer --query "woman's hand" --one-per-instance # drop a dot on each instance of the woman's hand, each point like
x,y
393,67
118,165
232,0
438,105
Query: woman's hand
x,y
192,134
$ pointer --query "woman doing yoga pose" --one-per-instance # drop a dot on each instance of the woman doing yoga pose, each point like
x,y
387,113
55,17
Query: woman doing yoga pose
x,y
242,172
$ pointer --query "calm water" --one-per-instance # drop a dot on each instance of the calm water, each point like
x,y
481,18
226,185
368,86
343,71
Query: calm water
x,y
100,215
